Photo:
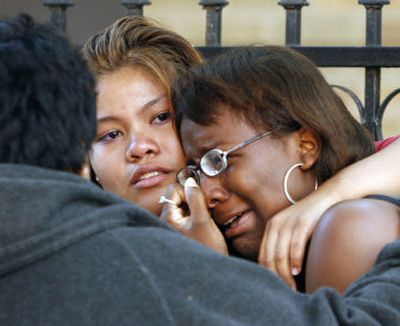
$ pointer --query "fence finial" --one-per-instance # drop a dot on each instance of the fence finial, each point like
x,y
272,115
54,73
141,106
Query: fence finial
x,y
293,20
58,16
135,7
379,3
213,20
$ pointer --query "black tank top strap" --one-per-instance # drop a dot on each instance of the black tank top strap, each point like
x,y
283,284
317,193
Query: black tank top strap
x,y
393,200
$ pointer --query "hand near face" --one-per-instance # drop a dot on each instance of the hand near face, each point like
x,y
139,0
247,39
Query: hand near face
x,y
197,224
288,232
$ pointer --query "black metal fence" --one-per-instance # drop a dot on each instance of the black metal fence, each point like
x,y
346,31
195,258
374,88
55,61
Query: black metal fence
x,y
372,56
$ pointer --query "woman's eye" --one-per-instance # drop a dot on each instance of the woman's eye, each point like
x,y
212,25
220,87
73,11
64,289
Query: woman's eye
x,y
110,136
231,162
162,118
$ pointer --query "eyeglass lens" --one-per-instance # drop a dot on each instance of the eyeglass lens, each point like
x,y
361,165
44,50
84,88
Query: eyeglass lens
x,y
213,162
185,173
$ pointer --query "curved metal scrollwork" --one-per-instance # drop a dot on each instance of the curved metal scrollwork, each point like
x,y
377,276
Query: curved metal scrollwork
x,y
360,107
355,98
385,103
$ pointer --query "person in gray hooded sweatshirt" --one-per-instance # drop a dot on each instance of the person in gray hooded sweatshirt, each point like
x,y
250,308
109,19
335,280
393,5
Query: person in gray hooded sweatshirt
x,y
72,254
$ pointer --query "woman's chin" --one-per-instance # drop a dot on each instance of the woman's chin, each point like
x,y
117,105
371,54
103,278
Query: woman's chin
x,y
247,248
150,201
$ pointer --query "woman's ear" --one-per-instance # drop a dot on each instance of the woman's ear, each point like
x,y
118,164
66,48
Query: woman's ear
x,y
309,146
85,171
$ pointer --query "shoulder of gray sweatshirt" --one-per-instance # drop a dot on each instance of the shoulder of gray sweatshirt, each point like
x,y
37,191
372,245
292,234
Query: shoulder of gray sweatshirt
x,y
72,254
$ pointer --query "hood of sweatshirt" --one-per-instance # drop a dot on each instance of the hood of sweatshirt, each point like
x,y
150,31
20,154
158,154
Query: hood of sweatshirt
x,y
42,211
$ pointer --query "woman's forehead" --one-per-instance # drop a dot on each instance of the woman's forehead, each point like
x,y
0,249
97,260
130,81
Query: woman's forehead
x,y
226,130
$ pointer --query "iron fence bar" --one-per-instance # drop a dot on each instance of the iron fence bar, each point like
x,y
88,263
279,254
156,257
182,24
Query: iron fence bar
x,y
335,56
293,20
213,20
373,37
135,7
58,15
372,101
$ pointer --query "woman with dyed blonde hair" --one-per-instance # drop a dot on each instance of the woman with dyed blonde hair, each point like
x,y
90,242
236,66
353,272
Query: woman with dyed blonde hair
x,y
136,153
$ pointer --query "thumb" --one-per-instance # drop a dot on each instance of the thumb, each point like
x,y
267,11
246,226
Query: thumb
x,y
196,201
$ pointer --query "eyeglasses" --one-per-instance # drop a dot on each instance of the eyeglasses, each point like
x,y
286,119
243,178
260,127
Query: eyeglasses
x,y
214,162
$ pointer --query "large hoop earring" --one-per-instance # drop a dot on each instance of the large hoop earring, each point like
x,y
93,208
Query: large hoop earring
x,y
286,179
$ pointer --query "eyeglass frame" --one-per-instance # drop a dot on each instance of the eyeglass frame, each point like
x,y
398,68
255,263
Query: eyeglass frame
x,y
221,153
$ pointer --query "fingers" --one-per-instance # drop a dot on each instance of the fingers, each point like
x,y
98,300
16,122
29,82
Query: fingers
x,y
172,213
275,249
198,225
175,193
203,228
282,257
301,236
196,201
286,234
284,243
266,253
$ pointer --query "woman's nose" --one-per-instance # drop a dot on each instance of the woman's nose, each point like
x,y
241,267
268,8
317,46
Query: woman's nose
x,y
140,147
213,190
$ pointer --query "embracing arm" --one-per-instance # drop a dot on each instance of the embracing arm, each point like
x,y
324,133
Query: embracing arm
x,y
286,234
347,241
376,174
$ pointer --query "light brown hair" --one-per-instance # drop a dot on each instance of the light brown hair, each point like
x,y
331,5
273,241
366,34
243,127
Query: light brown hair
x,y
141,42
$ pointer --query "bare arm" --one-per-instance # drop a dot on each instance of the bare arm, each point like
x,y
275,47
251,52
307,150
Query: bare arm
x,y
347,241
286,234
376,174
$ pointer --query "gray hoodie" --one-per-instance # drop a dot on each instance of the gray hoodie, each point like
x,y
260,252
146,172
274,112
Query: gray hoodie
x,y
71,254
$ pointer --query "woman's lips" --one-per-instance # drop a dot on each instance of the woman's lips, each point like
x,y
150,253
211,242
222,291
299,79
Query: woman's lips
x,y
149,175
151,180
239,225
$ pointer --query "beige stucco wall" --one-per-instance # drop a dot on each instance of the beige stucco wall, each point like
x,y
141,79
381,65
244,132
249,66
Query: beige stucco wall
x,y
325,22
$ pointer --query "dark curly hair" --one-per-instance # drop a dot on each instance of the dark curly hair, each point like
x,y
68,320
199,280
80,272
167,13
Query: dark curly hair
x,y
47,97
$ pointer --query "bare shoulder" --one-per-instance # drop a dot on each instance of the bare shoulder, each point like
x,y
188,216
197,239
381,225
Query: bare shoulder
x,y
359,218
347,241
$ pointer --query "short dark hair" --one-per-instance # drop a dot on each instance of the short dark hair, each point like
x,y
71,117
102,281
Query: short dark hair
x,y
47,97
275,88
